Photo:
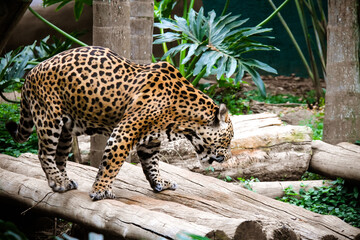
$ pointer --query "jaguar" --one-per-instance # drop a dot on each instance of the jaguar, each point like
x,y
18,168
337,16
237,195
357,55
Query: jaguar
x,y
92,90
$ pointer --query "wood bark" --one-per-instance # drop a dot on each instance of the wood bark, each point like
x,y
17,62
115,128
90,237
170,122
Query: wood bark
x,y
262,147
342,112
342,160
11,13
201,205
111,28
141,26
276,189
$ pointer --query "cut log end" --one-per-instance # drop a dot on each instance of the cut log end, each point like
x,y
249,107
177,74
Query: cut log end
x,y
251,230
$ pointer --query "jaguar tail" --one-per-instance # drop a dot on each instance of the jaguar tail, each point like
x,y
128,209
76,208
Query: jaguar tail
x,y
22,131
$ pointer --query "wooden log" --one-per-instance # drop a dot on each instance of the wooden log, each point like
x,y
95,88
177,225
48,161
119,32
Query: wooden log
x,y
201,205
262,147
276,189
342,160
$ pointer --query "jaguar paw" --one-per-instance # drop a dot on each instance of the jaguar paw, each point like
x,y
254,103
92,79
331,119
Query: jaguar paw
x,y
71,184
164,185
101,194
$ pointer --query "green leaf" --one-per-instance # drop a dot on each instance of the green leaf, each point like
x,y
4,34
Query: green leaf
x,y
212,58
190,53
166,37
218,44
78,8
201,63
260,65
175,50
221,66
232,64
256,78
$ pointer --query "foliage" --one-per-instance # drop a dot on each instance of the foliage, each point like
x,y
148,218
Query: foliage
x,y
46,49
317,53
8,231
316,124
214,45
12,70
78,6
10,112
338,199
274,99
246,182
189,236
311,176
225,91
15,63
163,9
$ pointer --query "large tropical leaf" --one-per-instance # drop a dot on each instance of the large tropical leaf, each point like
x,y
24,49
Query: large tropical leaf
x,y
218,45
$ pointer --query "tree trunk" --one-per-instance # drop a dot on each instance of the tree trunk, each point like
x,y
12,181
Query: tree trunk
x,y
201,205
342,111
111,28
342,160
11,13
141,25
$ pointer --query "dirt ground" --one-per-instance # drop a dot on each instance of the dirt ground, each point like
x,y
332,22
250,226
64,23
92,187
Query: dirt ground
x,y
297,86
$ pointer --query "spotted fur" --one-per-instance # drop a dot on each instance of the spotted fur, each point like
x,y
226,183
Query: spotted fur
x,y
92,90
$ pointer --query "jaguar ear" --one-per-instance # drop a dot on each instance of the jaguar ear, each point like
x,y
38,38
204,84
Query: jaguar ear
x,y
221,115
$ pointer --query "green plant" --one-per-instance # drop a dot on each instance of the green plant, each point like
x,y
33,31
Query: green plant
x,y
78,6
214,45
225,91
311,176
10,112
246,182
338,199
15,63
317,53
189,236
12,70
316,123
274,99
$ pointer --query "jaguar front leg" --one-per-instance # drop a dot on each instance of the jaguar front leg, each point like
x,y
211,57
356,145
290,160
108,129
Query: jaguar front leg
x,y
118,146
149,157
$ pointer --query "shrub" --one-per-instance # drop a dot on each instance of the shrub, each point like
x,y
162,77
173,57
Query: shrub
x,y
338,199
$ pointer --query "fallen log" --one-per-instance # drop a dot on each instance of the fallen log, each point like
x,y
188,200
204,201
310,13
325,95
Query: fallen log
x,y
201,205
276,189
263,147
342,160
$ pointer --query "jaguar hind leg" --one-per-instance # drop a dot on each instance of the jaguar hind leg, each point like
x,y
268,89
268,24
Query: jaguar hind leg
x,y
62,154
49,132
149,157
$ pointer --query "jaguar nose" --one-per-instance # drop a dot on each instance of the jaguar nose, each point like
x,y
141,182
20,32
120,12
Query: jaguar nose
x,y
217,159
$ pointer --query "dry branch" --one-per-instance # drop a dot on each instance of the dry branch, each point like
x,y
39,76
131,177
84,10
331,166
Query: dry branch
x,y
201,205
